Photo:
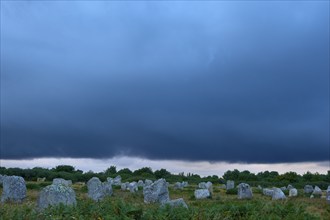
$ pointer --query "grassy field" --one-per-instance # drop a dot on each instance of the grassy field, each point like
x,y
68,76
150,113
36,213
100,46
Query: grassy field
x,y
125,205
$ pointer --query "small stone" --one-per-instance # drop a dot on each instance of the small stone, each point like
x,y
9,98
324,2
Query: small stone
x,y
293,192
308,189
268,192
202,193
133,187
176,203
178,185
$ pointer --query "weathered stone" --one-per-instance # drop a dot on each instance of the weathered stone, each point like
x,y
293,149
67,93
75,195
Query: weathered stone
x,y
317,191
176,203
268,192
230,184
202,193
117,181
308,189
55,194
1,179
124,186
178,185
328,195
156,192
202,185
244,191
283,188
140,183
147,182
110,180
14,189
184,184
98,190
62,181
39,179
133,187
209,186
289,187
278,194
293,192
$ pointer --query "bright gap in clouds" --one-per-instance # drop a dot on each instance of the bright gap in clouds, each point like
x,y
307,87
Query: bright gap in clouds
x,y
174,166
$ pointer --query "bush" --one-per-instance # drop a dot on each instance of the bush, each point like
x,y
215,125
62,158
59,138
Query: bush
x,y
233,191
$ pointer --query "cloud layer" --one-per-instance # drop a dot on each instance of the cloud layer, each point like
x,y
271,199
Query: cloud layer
x,y
215,81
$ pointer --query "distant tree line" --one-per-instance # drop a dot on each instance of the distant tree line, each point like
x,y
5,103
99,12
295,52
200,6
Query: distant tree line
x,y
265,179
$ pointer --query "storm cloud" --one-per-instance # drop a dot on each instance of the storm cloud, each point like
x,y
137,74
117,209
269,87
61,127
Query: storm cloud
x,y
214,81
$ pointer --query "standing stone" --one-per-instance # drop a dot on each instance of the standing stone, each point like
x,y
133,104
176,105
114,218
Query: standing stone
x,y
202,185
62,181
308,189
184,184
39,179
178,185
202,193
328,195
1,179
133,187
55,194
140,183
317,191
209,186
176,203
278,194
289,187
156,192
117,181
230,184
283,188
110,180
124,186
268,192
147,182
14,189
293,192
98,190
244,191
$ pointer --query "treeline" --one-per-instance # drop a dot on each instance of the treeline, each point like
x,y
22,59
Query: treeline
x,y
265,179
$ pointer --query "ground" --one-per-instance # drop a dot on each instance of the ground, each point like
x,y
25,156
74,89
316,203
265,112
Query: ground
x,y
126,205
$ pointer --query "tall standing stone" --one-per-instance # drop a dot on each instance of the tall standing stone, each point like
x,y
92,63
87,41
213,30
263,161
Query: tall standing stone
x,y
244,191
98,190
156,192
117,181
328,195
56,194
230,184
14,189
278,194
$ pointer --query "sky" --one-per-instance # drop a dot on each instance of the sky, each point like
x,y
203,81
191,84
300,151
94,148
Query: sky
x,y
238,83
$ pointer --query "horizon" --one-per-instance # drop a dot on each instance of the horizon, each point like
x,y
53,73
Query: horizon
x,y
205,85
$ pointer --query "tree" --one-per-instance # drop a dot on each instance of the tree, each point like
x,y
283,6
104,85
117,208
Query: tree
x,y
110,171
64,168
162,173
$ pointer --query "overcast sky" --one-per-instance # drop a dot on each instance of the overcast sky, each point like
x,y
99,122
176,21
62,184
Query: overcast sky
x,y
186,81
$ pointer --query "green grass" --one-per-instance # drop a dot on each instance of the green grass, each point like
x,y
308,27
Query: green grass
x,y
125,205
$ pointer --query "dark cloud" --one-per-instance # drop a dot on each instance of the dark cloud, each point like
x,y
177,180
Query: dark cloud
x,y
214,81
